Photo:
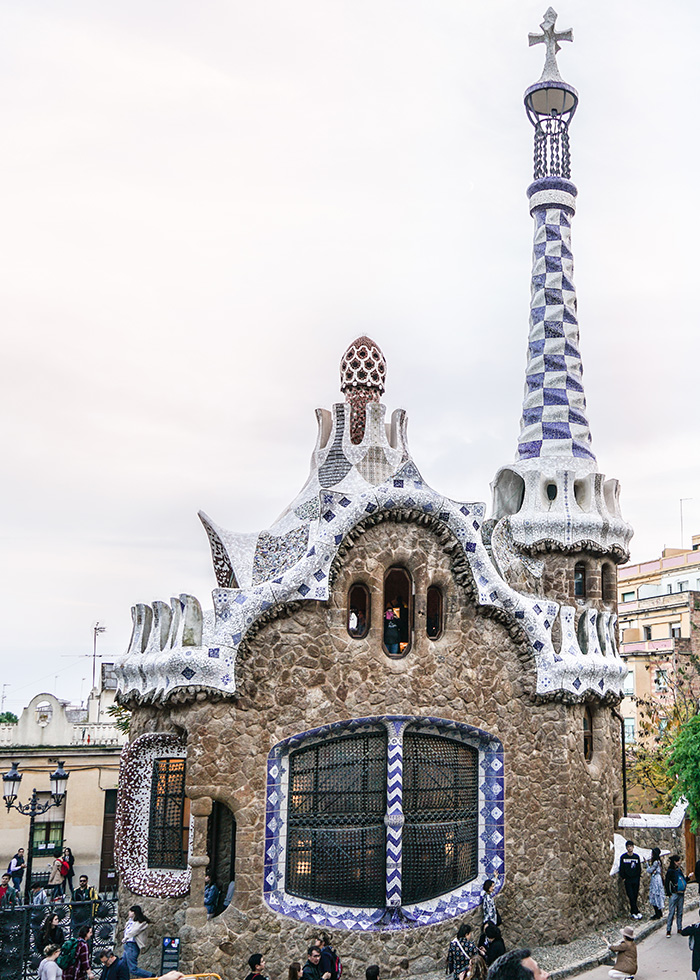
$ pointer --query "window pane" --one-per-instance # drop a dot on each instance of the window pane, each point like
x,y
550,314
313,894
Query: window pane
x,y
397,612
358,610
336,838
440,839
433,614
580,580
167,834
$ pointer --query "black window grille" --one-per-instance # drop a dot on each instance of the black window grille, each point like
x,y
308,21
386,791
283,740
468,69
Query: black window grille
x,y
167,830
440,802
336,839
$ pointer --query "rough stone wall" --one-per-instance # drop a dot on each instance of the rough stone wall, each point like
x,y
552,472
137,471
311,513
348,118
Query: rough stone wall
x,y
303,671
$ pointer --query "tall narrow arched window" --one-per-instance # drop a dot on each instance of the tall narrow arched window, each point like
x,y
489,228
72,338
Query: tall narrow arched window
x,y
359,605
608,583
397,612
580,580
433,613
587,734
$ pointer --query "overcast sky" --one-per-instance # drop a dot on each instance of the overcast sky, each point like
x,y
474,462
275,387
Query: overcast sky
x,y
204,202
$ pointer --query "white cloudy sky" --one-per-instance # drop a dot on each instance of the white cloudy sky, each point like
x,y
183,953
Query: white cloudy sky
x,y
204,202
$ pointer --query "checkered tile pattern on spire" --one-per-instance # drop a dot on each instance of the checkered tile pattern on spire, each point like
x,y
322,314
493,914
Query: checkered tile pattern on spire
x,y
554,421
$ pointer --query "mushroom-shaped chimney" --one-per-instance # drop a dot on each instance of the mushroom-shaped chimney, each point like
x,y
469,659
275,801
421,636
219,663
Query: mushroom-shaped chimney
x,y
362,377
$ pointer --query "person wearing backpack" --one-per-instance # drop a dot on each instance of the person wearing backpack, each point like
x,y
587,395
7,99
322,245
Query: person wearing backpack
x,y
74,958
330,961
693,933
675,889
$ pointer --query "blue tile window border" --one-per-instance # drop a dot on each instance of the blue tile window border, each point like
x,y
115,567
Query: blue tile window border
x,y
491,834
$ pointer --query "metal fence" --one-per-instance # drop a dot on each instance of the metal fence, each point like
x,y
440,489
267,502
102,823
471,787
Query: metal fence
x,y
20,928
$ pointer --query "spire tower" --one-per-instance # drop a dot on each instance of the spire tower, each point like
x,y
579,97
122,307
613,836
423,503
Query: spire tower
x,y
553,494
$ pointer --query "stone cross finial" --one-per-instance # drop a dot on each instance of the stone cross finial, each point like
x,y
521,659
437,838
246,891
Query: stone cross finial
x,y
551,39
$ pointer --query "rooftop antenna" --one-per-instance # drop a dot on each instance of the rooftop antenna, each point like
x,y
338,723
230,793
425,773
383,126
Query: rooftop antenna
x,y
95,630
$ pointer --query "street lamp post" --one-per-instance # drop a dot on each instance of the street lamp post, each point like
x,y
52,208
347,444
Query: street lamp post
x,y
10,786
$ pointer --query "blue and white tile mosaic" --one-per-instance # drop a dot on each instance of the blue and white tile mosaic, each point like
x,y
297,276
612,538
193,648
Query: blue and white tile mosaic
x,y
394,915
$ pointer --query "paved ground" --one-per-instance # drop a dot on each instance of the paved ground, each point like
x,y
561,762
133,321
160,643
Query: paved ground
x,y
588,958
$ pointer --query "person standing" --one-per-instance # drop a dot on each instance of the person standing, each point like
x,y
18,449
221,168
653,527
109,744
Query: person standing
x,y
626,960
491,944
51,933
694,933
8,895
135,930
49,968
330,961
256,964
631,873
79,969
83,904
488,903
39,901
113,968
56,880
675,889
460,952
656,885
211,896
68,874
16,868
311,969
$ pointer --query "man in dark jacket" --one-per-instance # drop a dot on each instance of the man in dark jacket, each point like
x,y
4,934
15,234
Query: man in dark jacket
x,y
113,968
694,931
311,969
631,873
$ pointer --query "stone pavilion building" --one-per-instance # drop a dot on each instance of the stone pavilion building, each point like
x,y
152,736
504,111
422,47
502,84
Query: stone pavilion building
x,y
395,695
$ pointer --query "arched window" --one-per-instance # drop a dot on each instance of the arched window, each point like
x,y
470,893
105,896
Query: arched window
x,y
587,734
359,605
169,823
397,612
580,580
337,797
433,613
608,583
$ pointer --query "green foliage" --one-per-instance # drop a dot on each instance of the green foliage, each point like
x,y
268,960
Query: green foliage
x,y
121,716
684,764
661,719
8,718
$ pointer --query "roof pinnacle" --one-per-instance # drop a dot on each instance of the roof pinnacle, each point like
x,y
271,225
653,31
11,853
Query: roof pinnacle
x,y
551,39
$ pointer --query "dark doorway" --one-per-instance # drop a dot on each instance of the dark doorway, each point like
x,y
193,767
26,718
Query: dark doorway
x,y
221,848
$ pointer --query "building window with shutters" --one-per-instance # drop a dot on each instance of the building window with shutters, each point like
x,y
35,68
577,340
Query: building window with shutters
x,y
374,818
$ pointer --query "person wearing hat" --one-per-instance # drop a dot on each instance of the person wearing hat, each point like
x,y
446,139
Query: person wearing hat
x,y
626,962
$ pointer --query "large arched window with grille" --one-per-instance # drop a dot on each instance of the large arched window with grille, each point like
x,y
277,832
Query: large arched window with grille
x,y
440,804
336,850
372,815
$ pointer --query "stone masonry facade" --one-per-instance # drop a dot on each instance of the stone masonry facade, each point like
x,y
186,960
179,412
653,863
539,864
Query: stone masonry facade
x,y
303,670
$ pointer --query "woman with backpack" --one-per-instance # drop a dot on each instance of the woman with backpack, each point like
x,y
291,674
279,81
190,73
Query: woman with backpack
x,y
67,869
74,958
56,879
460,952
330,961
675,889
